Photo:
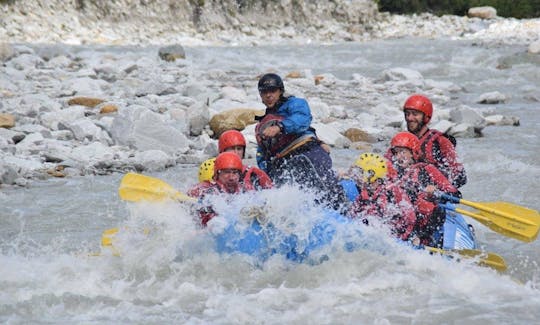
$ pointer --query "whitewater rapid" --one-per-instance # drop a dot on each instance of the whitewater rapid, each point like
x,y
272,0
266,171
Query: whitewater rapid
x,y
49,229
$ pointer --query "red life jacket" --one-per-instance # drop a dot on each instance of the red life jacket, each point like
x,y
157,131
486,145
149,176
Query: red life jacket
x,y
416,178
255,179
199,189
437,149
275,146
420,175
428,152
389,203
214,188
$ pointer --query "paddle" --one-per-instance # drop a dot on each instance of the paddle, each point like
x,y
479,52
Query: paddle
x,y
505,218
491,260
136,187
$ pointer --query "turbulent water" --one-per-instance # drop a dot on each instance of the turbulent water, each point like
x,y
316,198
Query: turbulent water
x,y
170,275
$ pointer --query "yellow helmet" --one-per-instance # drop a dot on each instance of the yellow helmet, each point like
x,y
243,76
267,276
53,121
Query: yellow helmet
x,y
206,170
373,166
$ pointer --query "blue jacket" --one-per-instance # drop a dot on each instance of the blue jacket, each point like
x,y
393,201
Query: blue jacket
x,y
297,119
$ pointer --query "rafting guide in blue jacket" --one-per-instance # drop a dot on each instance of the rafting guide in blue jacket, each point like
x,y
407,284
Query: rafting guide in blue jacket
x,y
288,149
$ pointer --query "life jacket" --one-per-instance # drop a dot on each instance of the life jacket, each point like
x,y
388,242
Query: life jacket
x,y
255,179
416,178
422,174
430,150
199,189
214,188
389,203
282,144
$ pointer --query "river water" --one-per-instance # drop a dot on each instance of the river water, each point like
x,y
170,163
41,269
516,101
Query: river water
x,y
50,230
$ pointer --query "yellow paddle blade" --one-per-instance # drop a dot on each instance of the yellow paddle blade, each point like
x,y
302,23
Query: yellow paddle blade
x,y
107,236
136,187
505,218
491,260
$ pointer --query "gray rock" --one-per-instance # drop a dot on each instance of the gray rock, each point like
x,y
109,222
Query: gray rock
x,y
172,52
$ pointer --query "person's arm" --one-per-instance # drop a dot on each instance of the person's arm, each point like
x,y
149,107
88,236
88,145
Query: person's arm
x,y
298,116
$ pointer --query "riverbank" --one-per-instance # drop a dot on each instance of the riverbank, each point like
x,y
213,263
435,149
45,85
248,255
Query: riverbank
x,y
84,90
233,23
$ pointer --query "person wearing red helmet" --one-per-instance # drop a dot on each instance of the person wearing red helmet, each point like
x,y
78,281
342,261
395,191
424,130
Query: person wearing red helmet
x,y
252,178
420,180
226,180
435,147
288,149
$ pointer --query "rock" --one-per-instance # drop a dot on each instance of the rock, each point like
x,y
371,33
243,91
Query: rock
x,y
108,108
534,47
197,124
92,153
171,53
463,130
30,143
11,136
56,172
499,119
494,97
84,129
152,160
85,101
6,52
236,119
8,174
485,12
51,120
400,74
7,120
358,135
294,75
467,115
331,136
84,86
443,125
33,128
142,129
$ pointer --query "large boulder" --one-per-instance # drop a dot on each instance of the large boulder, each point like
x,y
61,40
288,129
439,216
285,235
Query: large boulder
x,y
534,47
172,52
236,119
485,12
142,129
7,120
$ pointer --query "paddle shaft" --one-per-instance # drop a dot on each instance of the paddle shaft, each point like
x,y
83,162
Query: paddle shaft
x,y
491,260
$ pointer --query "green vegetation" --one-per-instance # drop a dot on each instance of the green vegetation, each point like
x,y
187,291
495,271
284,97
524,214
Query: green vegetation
x,y
505,8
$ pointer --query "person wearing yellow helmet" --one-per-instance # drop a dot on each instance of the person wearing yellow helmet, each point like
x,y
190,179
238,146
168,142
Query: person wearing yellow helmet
x,y
206,170
379,199
206,175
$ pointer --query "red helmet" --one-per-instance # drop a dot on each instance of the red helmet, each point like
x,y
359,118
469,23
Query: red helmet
x,y
229,139
406,140
227,160
420,103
